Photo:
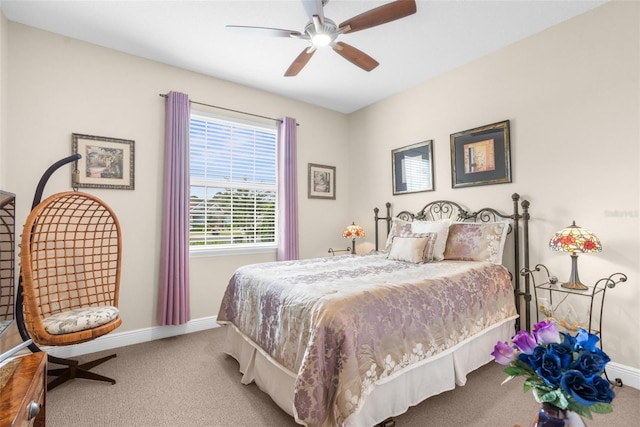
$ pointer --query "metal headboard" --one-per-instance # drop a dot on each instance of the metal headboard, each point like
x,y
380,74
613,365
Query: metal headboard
x,y
443,209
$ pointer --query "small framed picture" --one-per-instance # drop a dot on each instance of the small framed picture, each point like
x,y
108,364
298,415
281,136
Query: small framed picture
x,y
322,182
481,156
105,162
412,168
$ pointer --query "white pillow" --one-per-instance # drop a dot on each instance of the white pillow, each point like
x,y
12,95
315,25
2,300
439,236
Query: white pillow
x,y
410,249
441,228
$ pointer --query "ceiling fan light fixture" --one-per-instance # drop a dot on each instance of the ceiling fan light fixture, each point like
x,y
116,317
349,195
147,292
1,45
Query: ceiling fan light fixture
x,y
321,31
321,39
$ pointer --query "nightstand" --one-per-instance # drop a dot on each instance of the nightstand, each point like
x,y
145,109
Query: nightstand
x,y
334,251
560,297
22,397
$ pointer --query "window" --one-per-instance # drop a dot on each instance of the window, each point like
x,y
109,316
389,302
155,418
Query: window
x,y
233,184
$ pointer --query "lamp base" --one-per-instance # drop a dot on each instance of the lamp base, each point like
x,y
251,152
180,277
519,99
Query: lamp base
x,y
575,286
574,280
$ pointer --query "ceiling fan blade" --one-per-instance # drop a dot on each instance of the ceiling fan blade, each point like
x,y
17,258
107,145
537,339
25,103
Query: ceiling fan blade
x,y
299,63
264,31
314,8
380,15
355,56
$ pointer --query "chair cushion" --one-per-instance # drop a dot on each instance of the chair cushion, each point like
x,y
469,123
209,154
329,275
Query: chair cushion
x,y
79,319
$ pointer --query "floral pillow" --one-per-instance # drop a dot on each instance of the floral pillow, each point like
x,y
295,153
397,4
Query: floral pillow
x,y
398,227
470,241
413,247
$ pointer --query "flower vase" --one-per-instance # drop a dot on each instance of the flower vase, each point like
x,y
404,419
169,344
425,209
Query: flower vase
x,y
552,416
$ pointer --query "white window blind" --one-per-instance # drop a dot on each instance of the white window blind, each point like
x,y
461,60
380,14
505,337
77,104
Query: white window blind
x,y
233,184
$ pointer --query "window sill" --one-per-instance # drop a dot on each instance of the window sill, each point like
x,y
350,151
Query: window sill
x,y
231,251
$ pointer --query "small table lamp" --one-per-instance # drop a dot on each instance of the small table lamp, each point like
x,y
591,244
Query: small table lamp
x,y
575,239
353,232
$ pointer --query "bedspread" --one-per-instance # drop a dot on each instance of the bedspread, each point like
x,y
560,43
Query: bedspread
x,y
343,324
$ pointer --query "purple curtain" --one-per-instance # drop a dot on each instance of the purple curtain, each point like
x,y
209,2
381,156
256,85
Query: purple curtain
x,y
287,191
174,256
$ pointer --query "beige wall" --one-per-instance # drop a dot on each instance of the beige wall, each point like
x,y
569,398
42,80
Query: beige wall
x,y
59,86
3,95
572,96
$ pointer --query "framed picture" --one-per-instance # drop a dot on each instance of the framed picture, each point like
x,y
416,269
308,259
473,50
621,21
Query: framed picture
x,y
412,168
322,182
105,162
481,156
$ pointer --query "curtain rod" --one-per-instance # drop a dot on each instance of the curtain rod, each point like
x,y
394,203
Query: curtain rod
x,y
229,109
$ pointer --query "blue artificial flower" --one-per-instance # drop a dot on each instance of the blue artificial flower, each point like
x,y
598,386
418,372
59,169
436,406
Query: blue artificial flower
x,y
562,369
569,340
604,392
579,387
586,340
534,360
602,355
550,370
564,353
589,363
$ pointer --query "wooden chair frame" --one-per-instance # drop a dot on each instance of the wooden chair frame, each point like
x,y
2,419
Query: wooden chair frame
x,y
70,258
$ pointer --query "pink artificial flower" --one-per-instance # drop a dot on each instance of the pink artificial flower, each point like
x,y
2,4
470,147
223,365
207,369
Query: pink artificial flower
x,y
503,353
546,333
524,341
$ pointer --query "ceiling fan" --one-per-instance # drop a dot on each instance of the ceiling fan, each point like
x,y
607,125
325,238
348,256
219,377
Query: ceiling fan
x,y
321,31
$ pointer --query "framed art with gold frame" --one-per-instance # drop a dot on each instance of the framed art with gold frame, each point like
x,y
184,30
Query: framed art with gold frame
x,y
412,168
481,156
321,182
105,162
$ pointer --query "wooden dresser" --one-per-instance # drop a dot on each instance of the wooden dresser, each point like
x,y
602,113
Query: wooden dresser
x,y
22,397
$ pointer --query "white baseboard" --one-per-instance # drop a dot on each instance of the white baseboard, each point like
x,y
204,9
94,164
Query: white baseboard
x,y
121,339
630,376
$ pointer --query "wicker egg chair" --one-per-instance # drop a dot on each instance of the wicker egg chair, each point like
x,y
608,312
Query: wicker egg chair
x,y
70,258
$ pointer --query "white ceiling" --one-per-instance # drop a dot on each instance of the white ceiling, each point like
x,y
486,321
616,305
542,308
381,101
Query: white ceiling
x,y
440,36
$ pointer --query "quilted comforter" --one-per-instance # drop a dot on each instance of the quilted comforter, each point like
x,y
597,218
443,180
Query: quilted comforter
x,y
344,324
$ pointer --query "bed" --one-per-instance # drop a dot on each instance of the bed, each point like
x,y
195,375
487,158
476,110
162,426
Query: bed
x,y
354,340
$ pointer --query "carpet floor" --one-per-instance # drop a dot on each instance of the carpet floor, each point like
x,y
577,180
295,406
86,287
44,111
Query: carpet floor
x,y
187,381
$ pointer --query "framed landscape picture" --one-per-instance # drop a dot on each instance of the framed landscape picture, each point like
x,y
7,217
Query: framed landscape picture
x,y
105,162
412,168
481,156
322,182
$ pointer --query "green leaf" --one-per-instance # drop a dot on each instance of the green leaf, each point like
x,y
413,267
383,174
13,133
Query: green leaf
x,y
582,410
509,378
516,370
548,397
561,400
538,384
601,408
521,365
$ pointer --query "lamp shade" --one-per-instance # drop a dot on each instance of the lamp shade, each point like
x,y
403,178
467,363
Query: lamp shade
x,y
353,231
575,239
